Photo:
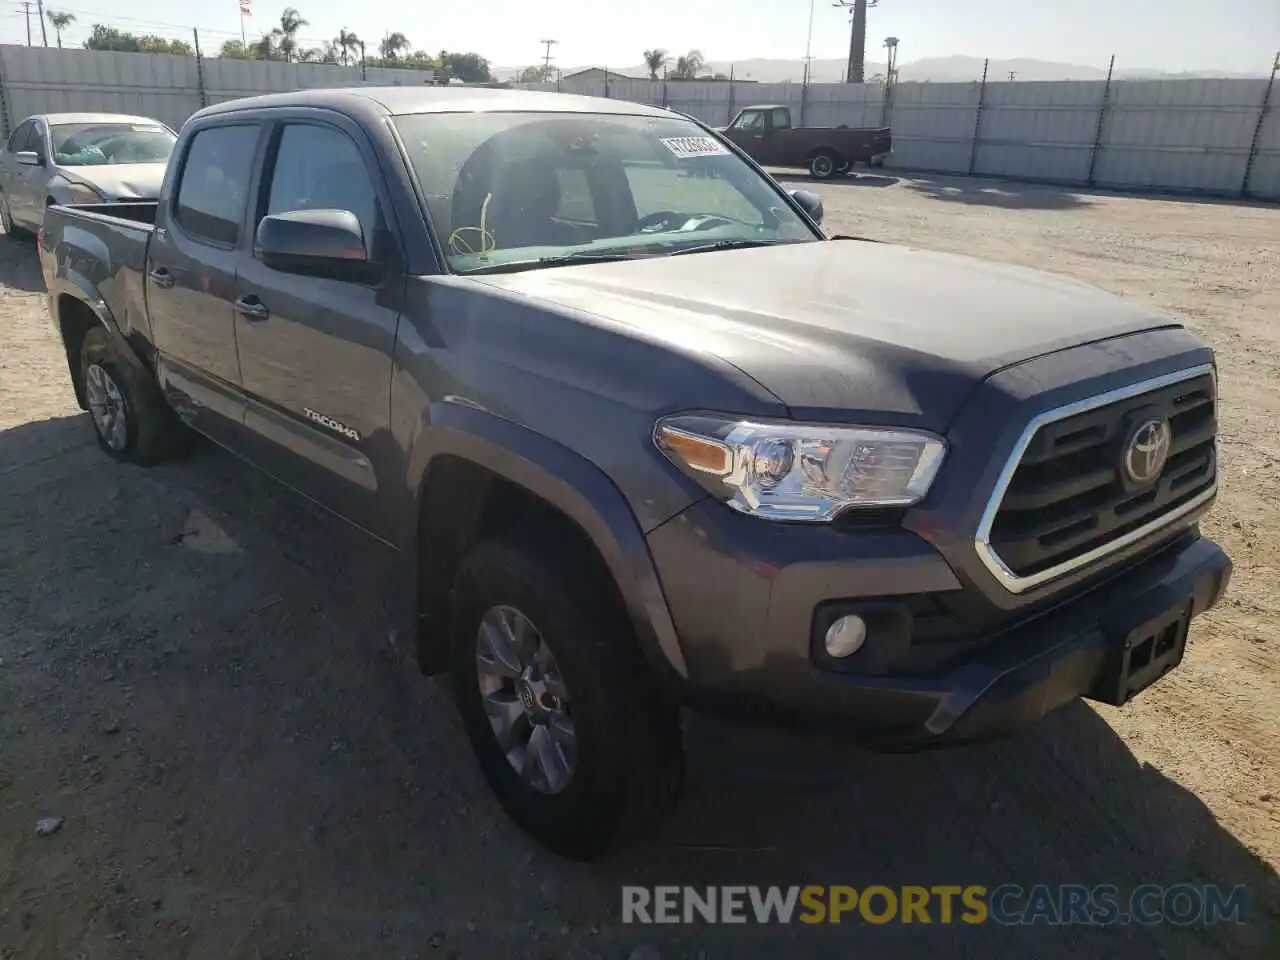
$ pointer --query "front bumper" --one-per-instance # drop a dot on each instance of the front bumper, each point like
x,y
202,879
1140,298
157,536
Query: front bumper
x,y
750,626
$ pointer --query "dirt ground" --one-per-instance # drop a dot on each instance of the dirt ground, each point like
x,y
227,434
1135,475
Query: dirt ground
x,y
190,676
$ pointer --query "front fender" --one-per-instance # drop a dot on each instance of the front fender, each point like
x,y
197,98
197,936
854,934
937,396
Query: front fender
x,y
575,487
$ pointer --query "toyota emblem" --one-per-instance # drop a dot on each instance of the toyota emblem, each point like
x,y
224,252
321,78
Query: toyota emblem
x,y
1147,451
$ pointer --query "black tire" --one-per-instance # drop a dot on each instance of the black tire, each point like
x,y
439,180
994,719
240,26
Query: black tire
x,y
629,763
153,432
824,165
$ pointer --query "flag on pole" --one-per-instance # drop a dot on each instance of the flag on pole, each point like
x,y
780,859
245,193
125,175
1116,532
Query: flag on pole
x,y
246,8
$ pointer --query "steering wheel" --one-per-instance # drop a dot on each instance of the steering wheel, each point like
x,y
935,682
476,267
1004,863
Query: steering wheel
x,y
670,220
661,220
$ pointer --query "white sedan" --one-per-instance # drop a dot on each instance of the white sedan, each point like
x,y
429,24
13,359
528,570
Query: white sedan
x,y
79,158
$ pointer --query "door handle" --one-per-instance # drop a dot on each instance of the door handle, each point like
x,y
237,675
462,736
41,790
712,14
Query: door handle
x,y
161,277
252,309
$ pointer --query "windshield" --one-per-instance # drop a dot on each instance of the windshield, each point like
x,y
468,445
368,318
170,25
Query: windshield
x,y
88,144
516,190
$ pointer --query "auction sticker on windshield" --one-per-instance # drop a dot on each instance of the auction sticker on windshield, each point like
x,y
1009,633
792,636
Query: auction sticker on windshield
x,y
687,148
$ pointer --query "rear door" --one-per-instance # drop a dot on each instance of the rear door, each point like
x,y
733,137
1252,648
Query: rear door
x,y
191,275
316,352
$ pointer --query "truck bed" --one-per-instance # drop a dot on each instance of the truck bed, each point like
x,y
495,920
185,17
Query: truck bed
x,y
110,241
135,211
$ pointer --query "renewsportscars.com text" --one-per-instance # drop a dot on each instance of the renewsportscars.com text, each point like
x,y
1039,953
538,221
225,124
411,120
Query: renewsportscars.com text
x,y
1008,904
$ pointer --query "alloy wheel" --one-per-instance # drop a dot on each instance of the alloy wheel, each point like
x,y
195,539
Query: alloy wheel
x,y
526,699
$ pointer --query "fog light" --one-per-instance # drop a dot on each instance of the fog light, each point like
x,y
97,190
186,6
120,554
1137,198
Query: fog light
x,y
846,636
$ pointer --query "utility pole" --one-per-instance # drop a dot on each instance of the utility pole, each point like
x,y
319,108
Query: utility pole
x,y
26,8
44,35
808,47
857,37
546,59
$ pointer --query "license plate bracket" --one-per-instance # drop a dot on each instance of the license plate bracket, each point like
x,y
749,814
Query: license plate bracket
x,y
1143,656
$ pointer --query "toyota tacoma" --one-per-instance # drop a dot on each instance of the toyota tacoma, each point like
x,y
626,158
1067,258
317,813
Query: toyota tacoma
x,y
642,436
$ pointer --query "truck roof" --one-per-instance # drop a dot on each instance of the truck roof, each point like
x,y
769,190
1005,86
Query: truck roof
x,y
439,99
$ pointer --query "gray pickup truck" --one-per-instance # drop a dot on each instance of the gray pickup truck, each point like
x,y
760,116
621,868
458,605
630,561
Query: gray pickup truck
x,y
641,436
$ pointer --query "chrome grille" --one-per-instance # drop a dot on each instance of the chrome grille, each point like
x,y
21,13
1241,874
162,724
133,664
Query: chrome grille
x,y
1065,500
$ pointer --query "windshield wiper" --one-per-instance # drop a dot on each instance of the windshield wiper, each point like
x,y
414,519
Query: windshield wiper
x,y
728,245
578,256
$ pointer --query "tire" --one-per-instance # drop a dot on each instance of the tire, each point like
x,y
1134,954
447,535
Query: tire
x,y
130,418
823,165
626,762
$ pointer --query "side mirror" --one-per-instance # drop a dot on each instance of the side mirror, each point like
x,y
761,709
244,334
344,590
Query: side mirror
x,y
327,243
29,158
810,203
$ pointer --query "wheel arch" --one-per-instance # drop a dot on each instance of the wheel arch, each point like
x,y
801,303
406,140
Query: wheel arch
x,y
825,148
478,471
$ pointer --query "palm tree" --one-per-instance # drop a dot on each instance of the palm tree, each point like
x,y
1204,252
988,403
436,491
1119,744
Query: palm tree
x,y
655,60
60,22
392,44
266,48
290,23
687,67
348,43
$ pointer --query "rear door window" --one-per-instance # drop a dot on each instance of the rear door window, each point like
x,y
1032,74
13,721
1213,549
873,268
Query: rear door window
x,y
214,188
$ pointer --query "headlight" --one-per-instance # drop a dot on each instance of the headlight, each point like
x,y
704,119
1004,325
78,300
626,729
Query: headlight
x,y
799,471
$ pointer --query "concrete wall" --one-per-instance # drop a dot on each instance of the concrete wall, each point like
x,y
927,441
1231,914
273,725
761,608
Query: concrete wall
x,y
1181,135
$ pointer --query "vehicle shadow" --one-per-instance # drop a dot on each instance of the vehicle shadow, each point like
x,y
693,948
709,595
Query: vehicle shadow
x,y
1006,194
277,778
855,179
19,266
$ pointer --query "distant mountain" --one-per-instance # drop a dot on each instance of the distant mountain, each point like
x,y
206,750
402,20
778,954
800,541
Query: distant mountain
x,y
954,69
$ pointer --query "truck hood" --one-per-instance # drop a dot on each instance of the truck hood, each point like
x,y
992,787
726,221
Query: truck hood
x,y
119,181
893,333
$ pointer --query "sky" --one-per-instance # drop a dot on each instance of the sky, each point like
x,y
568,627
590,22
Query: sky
x,y
1171,35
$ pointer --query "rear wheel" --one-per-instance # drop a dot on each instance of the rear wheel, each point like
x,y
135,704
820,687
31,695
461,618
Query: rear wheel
x,y
579,747
823,165
130,418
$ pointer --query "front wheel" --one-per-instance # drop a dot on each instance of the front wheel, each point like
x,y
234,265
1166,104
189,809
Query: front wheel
x,y
823,165
579,747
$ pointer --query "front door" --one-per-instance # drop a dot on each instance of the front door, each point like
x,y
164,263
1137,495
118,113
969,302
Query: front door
x,y
748,132
316,352
28,190
191,277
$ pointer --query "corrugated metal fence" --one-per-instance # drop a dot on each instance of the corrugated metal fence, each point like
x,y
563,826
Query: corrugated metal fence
x,y
1179,135
1202,136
